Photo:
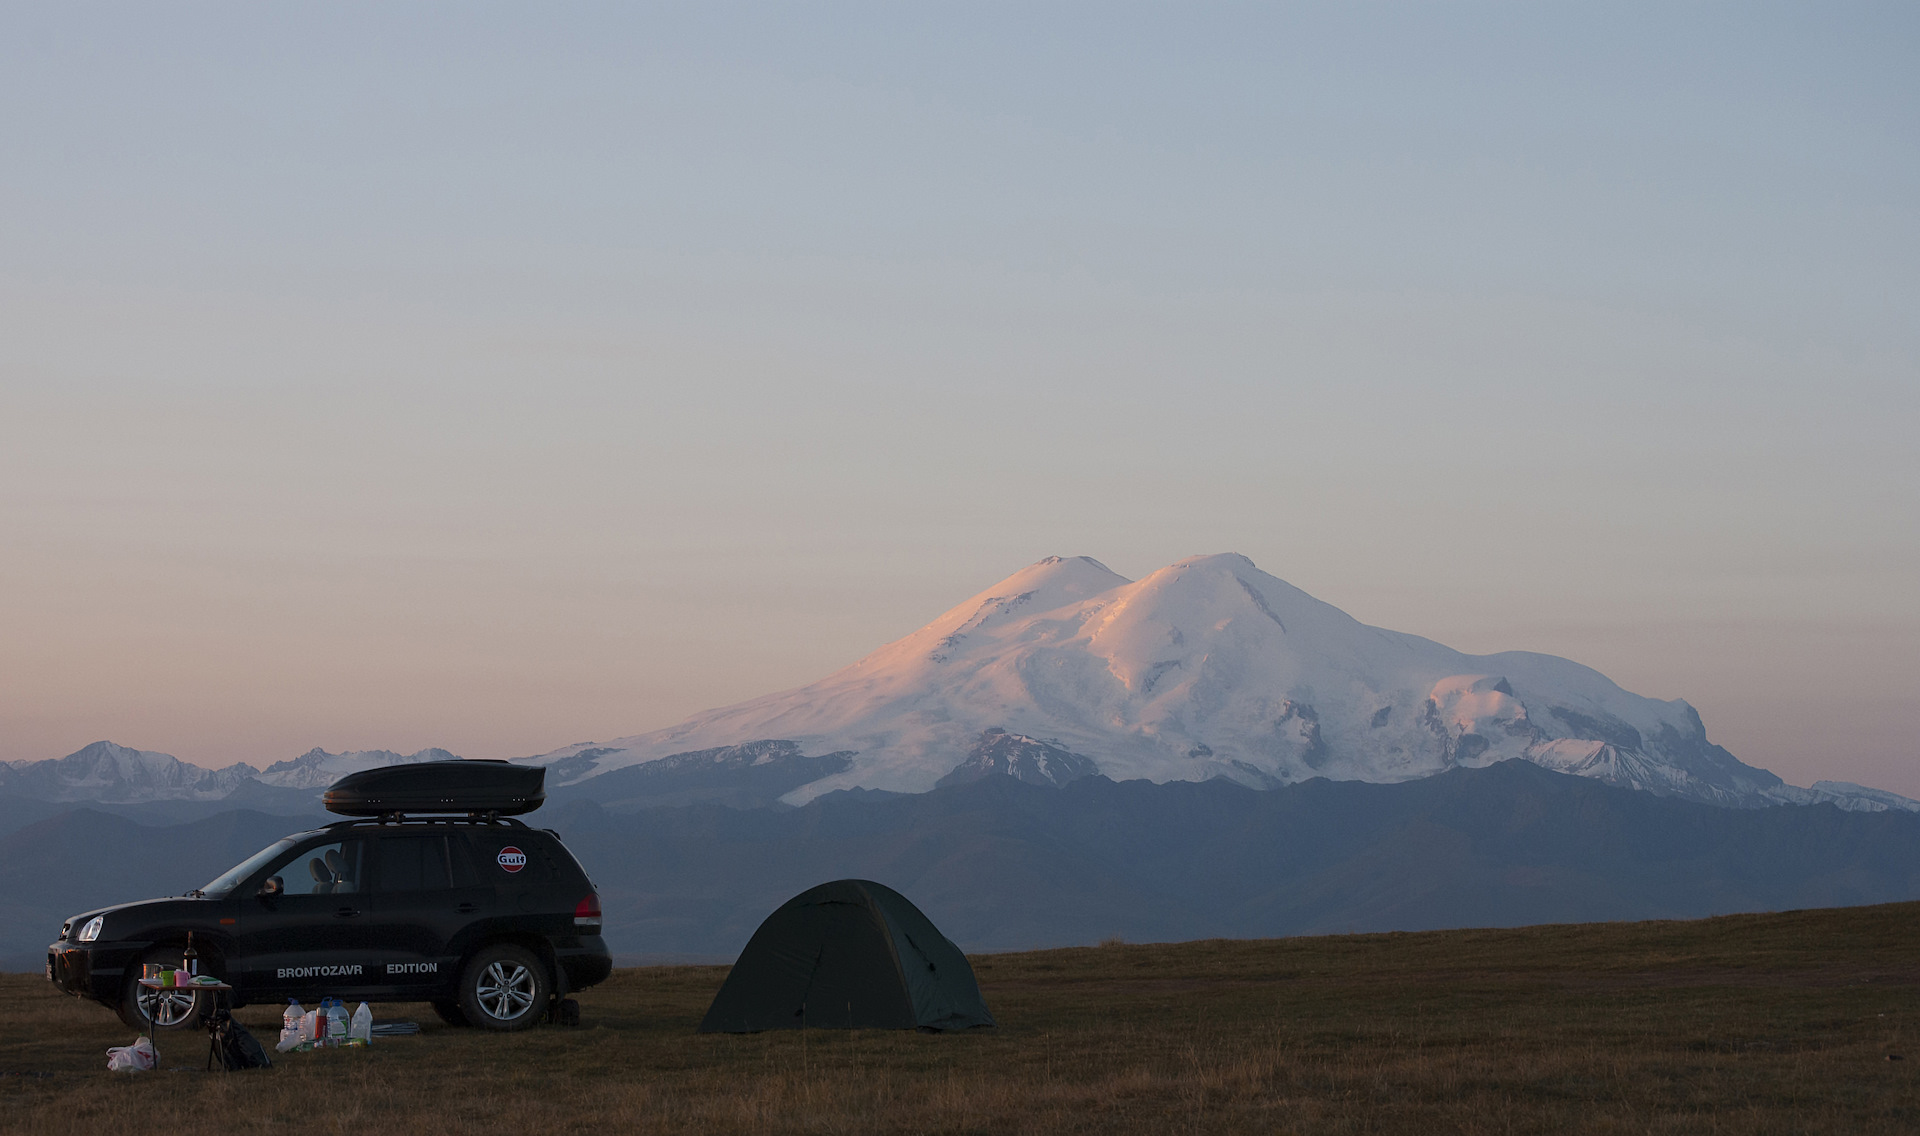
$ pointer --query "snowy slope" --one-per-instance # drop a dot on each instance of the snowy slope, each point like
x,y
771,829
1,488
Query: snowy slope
x,y
1212,668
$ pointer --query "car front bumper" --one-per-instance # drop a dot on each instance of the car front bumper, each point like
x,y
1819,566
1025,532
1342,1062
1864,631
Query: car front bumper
x,y
91,970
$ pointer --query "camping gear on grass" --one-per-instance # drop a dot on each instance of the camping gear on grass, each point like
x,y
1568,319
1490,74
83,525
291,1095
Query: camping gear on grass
x,y
850,954
234,1046
395,1029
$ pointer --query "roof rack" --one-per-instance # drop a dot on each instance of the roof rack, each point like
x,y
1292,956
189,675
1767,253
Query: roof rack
x,y
412,818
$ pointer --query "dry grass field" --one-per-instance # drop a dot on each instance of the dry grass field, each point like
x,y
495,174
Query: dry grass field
x,y
1804,1022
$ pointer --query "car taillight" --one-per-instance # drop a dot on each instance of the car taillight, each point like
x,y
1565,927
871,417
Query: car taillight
x,y
586,913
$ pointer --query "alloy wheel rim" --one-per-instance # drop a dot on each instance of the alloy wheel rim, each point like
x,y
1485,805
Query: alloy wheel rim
x,y
166,1008
505,990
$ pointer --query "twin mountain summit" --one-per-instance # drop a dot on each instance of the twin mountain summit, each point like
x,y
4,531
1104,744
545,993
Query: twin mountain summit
x,y
1260,763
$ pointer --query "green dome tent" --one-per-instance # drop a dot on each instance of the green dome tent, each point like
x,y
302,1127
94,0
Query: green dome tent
x,y
851,954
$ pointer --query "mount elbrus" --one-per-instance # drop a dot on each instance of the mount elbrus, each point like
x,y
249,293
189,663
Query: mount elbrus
x,y
1208,668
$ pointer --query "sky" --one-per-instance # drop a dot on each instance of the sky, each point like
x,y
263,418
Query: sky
x,y
499,377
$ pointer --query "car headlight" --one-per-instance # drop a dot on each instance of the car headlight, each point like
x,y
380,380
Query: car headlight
x,y
92,930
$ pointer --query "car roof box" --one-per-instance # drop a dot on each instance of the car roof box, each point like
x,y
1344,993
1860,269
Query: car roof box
x,y
440,787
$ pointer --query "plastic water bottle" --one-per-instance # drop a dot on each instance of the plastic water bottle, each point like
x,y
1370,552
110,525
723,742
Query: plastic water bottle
x,y
290,1025
361,1031
336,1022
311,1027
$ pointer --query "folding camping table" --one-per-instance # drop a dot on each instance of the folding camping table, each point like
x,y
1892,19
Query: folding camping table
x,y
219,989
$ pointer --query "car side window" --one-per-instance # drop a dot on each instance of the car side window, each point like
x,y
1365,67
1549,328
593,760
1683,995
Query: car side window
x,y
411,863
324,869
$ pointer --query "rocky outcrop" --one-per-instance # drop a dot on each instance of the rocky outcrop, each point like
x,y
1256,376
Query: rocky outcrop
x,y
1001,754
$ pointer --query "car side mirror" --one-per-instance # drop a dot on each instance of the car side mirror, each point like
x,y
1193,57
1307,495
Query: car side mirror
x,y
272,887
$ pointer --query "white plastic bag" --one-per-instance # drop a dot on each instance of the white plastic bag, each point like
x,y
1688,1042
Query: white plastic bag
x,y
135,1058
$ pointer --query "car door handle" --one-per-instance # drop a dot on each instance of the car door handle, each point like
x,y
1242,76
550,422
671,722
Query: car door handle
x,y
347,912
467,908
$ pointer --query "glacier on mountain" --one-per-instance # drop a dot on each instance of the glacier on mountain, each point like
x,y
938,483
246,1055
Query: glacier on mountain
x,y
1207,668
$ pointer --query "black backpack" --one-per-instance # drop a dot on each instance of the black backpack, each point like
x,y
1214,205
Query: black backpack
x,y
234,1047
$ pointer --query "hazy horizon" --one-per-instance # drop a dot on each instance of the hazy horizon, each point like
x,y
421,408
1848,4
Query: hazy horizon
x,y
393,376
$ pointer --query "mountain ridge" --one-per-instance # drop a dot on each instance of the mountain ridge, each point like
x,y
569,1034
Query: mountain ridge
x,y
107,773
1002,863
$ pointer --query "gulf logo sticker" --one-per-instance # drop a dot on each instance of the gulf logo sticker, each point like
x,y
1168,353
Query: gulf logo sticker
x,y
512,859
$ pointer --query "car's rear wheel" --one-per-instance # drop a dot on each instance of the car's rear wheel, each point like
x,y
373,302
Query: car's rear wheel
x,y
505,987
163,1010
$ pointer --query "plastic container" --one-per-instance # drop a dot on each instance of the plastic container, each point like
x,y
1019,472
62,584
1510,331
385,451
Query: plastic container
x,y
360,1032
290,1025
336,1022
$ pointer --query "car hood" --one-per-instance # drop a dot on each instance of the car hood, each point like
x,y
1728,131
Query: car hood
x,y
163,907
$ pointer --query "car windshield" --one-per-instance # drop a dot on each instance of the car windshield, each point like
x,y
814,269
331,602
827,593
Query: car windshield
x,y
235,877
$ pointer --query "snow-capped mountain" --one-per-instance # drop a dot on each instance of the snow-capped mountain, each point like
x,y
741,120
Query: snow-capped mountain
x,y
1207,668
115,774
317,769
104,771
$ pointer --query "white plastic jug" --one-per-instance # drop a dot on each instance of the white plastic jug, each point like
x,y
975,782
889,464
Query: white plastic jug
x,y
361,1031
336,1022
290,1025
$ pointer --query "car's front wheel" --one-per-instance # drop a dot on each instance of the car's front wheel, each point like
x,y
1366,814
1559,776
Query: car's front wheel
x,y
164,1009
504,988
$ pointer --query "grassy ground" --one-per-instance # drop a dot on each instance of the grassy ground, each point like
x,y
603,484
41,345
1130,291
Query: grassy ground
x,y
1770,1023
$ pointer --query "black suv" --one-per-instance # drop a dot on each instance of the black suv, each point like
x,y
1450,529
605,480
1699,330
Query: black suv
x,y
491,921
